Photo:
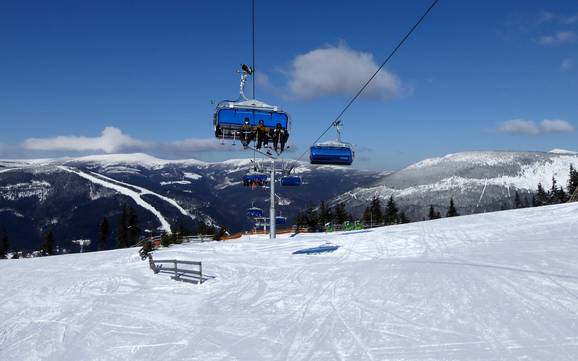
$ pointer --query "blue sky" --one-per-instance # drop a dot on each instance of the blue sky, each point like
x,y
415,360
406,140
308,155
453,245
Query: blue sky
x,y
117,76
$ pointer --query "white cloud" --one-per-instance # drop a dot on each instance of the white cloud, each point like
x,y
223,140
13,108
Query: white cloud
x,y
339,70
567,64
110,140
561,37
556,126
113,140
518,126
528,127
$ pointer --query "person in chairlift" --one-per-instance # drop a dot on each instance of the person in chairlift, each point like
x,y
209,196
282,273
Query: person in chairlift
x,y
247,133
262,134
279,135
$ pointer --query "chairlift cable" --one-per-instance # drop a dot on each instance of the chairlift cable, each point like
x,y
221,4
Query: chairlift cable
x,y
253,34
407,35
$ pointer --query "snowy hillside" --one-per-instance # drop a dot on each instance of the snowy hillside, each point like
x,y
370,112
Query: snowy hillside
x,y
478,181
72,195
497,286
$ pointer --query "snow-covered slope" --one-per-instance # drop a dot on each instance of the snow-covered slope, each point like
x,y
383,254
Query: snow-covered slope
x,y
496,286
71,196
478,181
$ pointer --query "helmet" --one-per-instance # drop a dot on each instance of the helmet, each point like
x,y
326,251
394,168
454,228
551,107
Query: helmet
x,y
261,122
246,121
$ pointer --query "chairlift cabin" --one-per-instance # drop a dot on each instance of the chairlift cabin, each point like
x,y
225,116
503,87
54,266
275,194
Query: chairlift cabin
x,y
291,181
255,212
332,152
230,115
255,180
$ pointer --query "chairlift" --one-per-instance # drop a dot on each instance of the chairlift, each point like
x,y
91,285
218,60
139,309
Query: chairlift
x,y
291,181
255,179
334,152
280,220
255,212
238,119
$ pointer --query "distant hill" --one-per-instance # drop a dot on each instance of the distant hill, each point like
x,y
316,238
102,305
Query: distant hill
x,y
72,195
478,181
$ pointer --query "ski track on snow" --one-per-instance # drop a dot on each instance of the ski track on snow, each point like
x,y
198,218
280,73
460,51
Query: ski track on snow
x,y
494,286
144,191
125,191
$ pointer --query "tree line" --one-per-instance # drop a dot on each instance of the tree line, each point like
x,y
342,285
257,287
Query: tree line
x,y
316,218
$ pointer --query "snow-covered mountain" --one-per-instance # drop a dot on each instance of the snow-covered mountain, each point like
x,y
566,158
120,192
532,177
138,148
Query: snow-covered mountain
x,y
496,286
478,181
72,195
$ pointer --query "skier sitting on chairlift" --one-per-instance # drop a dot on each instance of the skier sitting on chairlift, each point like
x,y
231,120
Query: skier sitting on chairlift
x,y
279,135
262,135
247,133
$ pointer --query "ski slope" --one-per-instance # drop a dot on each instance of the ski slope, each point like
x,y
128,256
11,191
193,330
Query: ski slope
x,y
496,286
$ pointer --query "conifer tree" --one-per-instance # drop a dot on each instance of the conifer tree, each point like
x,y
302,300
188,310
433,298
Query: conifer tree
x,y
48,245
4,245
541,196
432,212
134,230
367,218
525,203
403,218
572,181
103,234
452,211
341,215
122,236
517,201
391,212
553,193
325,214
376,212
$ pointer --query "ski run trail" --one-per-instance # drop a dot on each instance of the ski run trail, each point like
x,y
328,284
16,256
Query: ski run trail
x,y
131,191
495,286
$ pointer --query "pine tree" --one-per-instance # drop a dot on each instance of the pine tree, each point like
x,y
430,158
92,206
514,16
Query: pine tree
x,y
403,218
4,245
432,213
553,193
452,211
48,245
376,212
340,214
391,212
134,230
525,203
122,237
367,218
541,196
572,181
325,214
517,201
166,240
103,234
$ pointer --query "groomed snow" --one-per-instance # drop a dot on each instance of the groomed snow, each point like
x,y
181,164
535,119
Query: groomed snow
x,y
136,196
495,286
